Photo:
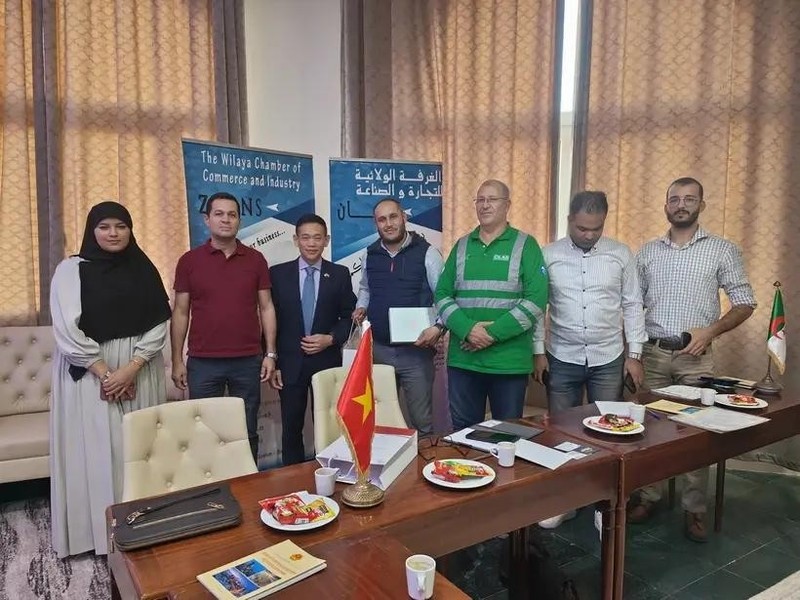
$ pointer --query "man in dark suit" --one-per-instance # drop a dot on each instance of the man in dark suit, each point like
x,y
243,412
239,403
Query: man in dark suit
x,y
313,301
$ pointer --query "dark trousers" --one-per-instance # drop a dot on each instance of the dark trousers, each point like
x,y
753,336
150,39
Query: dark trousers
x,y
468,390
209,377
294,401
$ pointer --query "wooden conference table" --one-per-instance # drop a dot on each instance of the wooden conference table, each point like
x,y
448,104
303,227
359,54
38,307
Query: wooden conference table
x,y
667,449
416,515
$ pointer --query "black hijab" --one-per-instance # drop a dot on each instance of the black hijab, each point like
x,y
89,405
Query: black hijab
x,y
121,292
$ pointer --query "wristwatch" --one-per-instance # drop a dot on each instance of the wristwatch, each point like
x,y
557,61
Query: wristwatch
x,y
272,355
635,355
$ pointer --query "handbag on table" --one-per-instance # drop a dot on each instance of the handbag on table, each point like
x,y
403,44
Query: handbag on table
x,y
194,511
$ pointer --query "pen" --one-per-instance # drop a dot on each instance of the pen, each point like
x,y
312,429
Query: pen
x,y
653,414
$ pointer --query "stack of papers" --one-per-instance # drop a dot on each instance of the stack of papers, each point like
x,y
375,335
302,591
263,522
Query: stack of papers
x,y
685,392
719,420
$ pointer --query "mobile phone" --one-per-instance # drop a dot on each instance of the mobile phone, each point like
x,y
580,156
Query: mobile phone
x,y
546,378
629,385
491,437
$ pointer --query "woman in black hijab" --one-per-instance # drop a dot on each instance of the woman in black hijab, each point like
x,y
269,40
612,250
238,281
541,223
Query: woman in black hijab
x,y
110,313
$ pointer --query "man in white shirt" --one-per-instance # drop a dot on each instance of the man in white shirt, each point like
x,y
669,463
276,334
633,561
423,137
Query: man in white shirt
x,y
595,307
681,274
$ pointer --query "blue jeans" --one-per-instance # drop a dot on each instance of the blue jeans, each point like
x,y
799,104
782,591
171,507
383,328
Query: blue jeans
x,y
567,382
208,378
414,371
468,390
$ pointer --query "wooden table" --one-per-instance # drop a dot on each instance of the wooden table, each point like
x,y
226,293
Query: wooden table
x,y
667,449
361,568
422,517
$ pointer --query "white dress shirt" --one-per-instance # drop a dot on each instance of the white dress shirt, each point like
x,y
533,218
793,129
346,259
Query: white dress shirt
x,y
593,297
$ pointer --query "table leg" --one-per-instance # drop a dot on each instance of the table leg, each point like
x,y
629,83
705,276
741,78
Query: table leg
x,y
115,595
619,547
671,493
719,500
519,566
607,549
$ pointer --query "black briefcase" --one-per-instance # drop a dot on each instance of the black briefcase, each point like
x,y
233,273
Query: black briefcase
x,y
149,521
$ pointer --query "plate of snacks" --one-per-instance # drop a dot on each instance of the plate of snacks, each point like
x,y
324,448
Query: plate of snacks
x,y
740,401
298,511
458,473
613,424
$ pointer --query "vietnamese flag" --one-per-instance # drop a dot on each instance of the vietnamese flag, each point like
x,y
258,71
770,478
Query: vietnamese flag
x,y
356,406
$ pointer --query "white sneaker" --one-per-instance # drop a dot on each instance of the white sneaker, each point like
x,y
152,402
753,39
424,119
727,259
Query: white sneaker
x,y
598,523
554,522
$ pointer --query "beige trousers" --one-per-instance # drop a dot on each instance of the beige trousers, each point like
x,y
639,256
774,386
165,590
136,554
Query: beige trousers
x,y
663,368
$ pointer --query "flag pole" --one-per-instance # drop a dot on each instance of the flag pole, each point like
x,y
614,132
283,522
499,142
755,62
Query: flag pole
x,y
767,385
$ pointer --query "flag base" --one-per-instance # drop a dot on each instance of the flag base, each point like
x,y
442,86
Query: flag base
x,y
768,385
362,494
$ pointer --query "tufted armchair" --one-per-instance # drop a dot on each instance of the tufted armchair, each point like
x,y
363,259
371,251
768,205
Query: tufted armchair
x,y
26,355
179,445
327,385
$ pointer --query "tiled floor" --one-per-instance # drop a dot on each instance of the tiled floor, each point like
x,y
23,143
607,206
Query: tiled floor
x,y
759,546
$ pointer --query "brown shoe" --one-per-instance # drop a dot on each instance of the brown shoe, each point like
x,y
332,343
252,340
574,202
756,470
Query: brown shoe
x,y
641,512
696,527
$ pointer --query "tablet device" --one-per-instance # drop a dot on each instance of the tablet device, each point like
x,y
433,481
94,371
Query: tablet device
x,y
491,437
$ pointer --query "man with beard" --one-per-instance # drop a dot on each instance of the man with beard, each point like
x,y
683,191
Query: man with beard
x,y
681,275
492,292
401,269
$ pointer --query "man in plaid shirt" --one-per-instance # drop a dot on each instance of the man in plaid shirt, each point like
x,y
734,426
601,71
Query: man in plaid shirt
x,y
681,275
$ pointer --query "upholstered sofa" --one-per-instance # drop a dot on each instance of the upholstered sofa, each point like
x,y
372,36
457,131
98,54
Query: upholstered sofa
x,y
25,376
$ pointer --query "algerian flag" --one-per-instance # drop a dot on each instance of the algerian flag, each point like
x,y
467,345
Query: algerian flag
x,y
776,340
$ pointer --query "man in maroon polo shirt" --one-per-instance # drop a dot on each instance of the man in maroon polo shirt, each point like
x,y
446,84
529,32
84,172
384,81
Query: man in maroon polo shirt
x,y
225,286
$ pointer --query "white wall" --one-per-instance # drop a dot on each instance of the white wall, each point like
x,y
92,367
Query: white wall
x,y
294,95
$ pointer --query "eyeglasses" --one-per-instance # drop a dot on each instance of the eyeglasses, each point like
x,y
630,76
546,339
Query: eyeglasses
x,y
431,443
688,201
488,200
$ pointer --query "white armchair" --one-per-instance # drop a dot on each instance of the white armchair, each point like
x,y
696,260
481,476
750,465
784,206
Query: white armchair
x,y
327,385
183,444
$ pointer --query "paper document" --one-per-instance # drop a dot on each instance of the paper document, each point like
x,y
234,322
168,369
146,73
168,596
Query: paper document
x,y
541,455
719,420
615,408
675,408
685,392
530,451
406,323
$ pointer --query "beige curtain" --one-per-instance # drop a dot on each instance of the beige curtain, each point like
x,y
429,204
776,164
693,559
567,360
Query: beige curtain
x,y
468,83
96,96
714,94
19,293
710,90
132,79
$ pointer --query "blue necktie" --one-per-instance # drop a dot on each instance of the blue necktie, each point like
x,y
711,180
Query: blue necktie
x,y
309,299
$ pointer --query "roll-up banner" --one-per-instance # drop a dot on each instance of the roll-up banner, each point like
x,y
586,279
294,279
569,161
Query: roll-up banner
x,y
358,184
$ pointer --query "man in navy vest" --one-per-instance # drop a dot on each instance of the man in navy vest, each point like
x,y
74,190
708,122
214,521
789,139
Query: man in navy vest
x,y
401,269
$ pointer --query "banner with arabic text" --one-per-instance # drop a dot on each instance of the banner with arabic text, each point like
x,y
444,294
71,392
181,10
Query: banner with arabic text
x,y
358,184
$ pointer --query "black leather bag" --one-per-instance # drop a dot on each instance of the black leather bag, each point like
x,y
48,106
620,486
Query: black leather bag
x,y
149,521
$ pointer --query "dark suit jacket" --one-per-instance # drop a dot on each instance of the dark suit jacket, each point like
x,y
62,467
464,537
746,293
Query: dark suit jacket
x,y
332,315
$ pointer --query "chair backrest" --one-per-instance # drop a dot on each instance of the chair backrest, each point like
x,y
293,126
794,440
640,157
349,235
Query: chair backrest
x,y
327,385
183,444
26,364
